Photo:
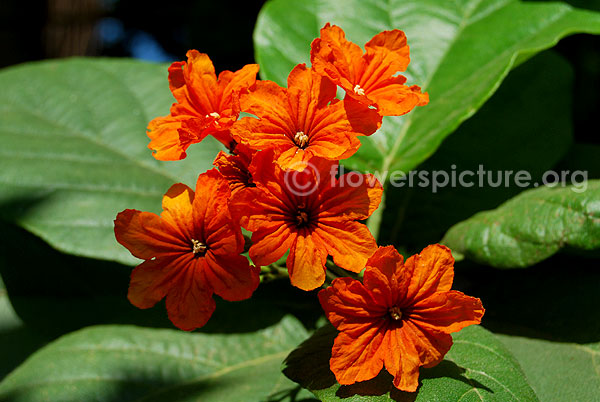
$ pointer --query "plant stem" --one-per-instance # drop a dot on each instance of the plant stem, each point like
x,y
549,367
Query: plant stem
x,y
272,272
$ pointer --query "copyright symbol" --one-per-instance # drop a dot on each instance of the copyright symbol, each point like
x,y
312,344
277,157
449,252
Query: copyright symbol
x,y
302,178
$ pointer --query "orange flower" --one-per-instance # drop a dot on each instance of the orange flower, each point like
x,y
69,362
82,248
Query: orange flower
x,y
303,121
192,251
312,214
205,106
371,77
400,318
235,168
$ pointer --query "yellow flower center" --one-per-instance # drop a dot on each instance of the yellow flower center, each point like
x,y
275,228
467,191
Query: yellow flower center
x,y
301,139
198,248
214,114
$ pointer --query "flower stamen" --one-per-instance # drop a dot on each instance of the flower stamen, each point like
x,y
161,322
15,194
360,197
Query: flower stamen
x,y
358,90
395,313
198,248
214,114
301,139
301,218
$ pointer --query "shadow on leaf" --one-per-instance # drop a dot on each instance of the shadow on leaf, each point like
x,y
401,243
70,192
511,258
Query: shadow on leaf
x,y
308,365
55,293
555,300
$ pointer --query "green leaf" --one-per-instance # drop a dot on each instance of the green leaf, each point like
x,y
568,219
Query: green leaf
x,y
117,363
478,367
531,227
537,135
460,52
558,371
75,152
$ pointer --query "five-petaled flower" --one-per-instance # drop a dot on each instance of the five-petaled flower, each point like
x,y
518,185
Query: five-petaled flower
x,y
206,105
400,318
192,250
311,214
303,121
371,77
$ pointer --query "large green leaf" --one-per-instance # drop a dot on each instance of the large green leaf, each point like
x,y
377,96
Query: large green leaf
x,y
74,150
477,368
558,371
537,135
531,227
460,52
125,363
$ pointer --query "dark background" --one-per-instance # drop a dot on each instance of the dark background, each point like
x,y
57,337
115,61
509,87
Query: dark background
x,y
150,30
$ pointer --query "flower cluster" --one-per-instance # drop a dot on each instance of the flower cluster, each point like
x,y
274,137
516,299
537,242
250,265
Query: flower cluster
x,y
279,181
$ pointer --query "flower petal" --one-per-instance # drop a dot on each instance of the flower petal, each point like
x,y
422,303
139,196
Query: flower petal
x,y
164,138
306,262
353,196
189,300
270,243
363,119
151,280
447,311
430,271
402,359
214,223
331,134
275,183
349,243
177,209
291,157
233,83
379,275
360,357
275,126
389,52
308,92
146,236
411,348
194,130
334,56
234,169
347,303
231,276
395,99
200,83
263,134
